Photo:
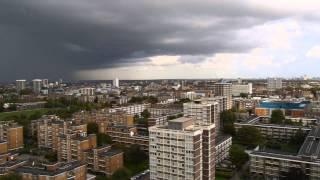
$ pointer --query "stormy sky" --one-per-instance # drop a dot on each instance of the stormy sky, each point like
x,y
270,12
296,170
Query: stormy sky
x,y
150,39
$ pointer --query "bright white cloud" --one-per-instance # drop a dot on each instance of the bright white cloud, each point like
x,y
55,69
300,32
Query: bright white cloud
x,y
314,52
164,60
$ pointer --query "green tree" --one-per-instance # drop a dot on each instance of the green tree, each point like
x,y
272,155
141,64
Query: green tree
x,y
11,176
134,155
244,95
294,173
26,91
249,136
145,114
277,117
103,139
238,156
92,128
298,138
51,156
227,118
152,100
121,174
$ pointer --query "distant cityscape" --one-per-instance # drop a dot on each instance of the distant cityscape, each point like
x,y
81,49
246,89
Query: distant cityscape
x,y
160,129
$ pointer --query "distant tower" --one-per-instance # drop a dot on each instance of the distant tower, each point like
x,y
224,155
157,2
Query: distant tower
x,y
36,85
274,84
20,85
45,83
116,82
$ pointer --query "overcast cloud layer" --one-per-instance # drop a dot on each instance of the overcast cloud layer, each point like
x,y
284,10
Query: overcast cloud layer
x,y
141,39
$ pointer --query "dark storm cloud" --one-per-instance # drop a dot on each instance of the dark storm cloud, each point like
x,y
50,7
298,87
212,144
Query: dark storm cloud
x,y
55,38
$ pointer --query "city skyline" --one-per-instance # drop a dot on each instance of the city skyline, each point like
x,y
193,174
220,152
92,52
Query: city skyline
x,y
158,40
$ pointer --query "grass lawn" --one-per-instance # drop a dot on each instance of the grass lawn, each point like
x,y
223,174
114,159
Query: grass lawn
x,y
220,178
5,116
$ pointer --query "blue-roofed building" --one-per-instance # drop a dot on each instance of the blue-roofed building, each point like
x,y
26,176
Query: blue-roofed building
x,y
289,108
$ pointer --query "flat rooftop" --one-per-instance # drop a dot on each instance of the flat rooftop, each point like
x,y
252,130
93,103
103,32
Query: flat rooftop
x,y
311,145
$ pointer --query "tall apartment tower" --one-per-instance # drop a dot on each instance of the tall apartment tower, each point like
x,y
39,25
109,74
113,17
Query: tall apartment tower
x,y
204,113
182,150
20,85
274,84
36,85
45,83
223,89
116,82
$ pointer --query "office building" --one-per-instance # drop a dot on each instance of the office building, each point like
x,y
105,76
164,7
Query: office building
x,y
20,85
36,86
182,150
116,82
238,89
274,84
223,89
12,133
104,160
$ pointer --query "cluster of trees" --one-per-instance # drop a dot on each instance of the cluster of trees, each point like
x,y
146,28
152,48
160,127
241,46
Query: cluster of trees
x,y
228,118
249,136
11,176
143,118
144,99
277,117
102,139
238,156
184,100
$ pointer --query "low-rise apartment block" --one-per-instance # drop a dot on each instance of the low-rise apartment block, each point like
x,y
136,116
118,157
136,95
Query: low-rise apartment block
x,y
128,136
60,171
104,160
223,146
272,131
12,133
274,165
49,128
72,147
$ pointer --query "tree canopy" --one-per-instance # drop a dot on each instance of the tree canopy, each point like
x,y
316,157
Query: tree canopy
x,y
238,156
92,128
277,117
249,136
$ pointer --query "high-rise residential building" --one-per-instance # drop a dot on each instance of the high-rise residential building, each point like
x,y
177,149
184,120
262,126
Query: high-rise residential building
x,y
182,150
72,147
36,86
45,83
20,85
274,84
49,128
238,89
12,133
203,112
223,89
116,82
